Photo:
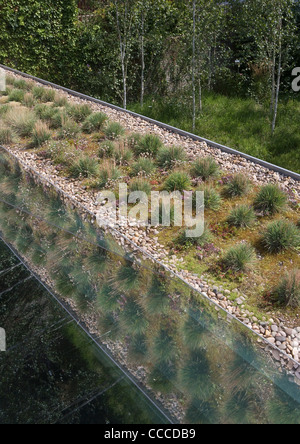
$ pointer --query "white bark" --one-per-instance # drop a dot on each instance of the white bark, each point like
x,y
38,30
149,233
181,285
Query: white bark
x,y
193,64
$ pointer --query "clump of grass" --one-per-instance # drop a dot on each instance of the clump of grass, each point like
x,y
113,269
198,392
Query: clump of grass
x,y
69,128
38,92
107,173
187,242
16,95
143,166
7,135
195,375
84,167
133,140
206,168
94,122
61,153
281,235
114,130
138,348
270,200
146,145
140,185
288,290
177,181
123,155
21,120
168,157
57,119
40,134
157,301
48,95
60,100
133,320
106,150
29,100
79,112
20,83
238,186
212,199
239,258
194,333
242,217
4,110
164,346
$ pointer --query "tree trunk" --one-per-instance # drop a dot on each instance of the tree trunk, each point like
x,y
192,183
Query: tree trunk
x,y
278,77
200,95
193,65
273,81
143,61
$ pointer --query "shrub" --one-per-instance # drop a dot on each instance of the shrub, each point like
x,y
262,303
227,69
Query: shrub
x,y
29,100
143,166
288,291
79,112
270,200
177,181
242,217
169,156
22,121
40,134
106,150
281,235
212,199
85,167
16,95
6,135
114,130
239,258
147,145
94,122
188,242
205,168
140,185
69,128
238,186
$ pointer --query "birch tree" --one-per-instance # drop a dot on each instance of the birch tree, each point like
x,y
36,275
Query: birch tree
x,y
124,21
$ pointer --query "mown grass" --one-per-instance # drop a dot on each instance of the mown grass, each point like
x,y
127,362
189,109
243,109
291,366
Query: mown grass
x,y
239,123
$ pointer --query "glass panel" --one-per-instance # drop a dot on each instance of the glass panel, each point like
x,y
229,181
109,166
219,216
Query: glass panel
x,y
196,362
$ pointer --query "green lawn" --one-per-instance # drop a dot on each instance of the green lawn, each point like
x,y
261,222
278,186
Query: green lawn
x,y
238,123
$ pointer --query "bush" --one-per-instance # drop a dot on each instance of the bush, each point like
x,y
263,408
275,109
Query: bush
x,y
147,145
22,121
40,134
280,236
106,150
140,185
143,166
16,95
79,112
114,130
238,186
242,217
85,167
94,122
177,181
205,168
6,135
212,199
270,200
169,156
239,258
288,291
